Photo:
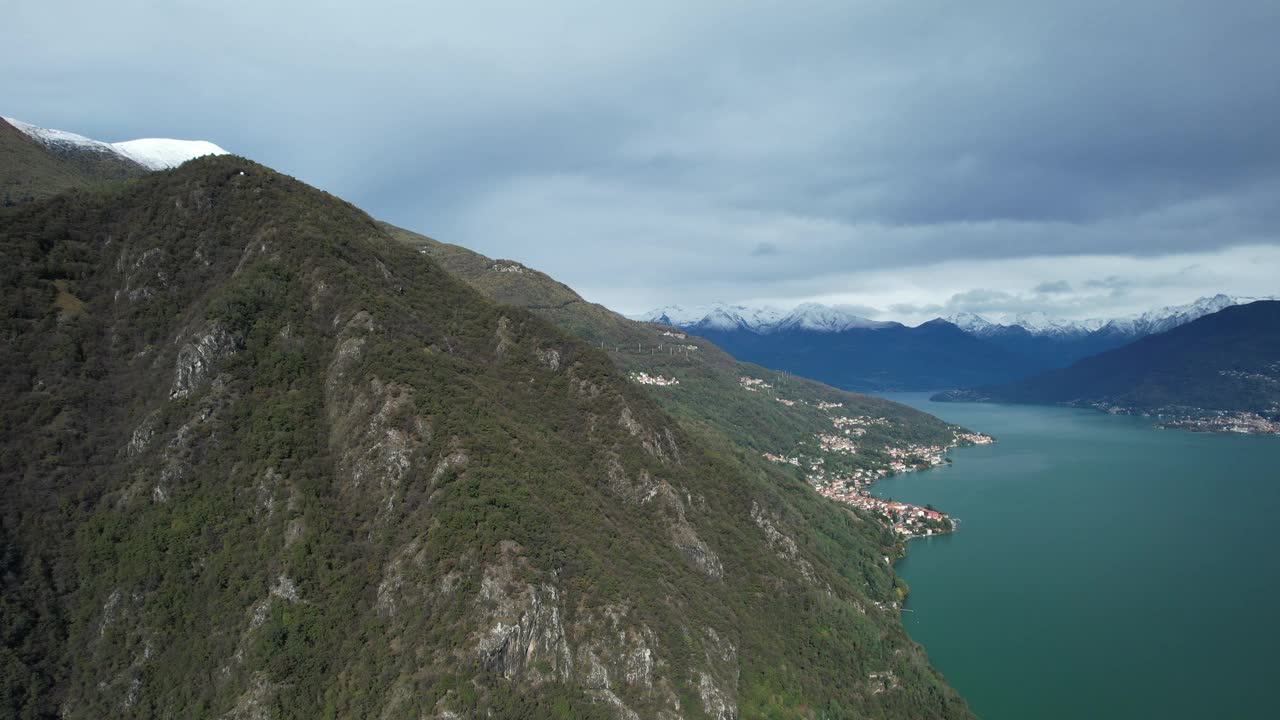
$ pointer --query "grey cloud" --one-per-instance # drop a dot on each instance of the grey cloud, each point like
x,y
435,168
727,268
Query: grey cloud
x,y
653,154
1054,287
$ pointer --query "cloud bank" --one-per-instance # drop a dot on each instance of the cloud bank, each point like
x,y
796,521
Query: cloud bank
x,y
1085,158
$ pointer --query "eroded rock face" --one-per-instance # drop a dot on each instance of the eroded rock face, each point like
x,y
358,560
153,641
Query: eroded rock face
x,y
525,637
616,658
550,359
377,431
198,359
782,544
649,440
142,435
506,339
685,537
718,683
256,702
397,588
644,489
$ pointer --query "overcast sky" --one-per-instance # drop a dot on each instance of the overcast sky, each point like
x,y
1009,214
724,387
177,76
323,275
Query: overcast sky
x,y
909,158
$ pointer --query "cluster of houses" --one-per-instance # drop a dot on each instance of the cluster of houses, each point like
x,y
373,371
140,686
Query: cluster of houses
x,y
1237,422
782,459
849,426
906,519
754,384
837,444
858,421
645,378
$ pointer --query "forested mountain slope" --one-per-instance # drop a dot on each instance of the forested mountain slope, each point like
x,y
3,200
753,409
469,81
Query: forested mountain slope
x,y
782,414
259,459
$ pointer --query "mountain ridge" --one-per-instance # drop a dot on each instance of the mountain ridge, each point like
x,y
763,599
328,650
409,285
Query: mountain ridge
x,y
1223,362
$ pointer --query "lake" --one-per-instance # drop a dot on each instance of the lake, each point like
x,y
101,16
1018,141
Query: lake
x,y
1103,568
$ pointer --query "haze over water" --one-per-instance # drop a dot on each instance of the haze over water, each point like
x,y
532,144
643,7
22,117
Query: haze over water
x,y
1103,568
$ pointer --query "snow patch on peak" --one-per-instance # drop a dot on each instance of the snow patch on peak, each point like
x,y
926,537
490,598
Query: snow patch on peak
x,y
823,318
1170,317
151,153
970,322
1147,323
812,317
716,316
59,139
164,153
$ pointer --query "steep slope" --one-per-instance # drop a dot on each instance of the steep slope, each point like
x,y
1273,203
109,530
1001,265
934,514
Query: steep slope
x,y
756,408
261,460
31,170
1225,361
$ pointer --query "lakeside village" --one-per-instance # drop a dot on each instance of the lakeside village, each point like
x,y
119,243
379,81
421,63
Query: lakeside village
x,y
1200,419
854,488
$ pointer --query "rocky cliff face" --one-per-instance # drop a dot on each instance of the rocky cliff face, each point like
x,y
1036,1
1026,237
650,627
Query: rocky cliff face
x,y
280,465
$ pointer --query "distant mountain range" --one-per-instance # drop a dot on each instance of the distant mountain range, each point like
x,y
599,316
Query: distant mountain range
x,y
1227,361
835,345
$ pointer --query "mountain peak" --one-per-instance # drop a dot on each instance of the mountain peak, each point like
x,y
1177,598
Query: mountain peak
x,y
150,153
812,317
165,153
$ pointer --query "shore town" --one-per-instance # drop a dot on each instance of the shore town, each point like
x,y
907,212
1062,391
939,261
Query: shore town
x,y
843,462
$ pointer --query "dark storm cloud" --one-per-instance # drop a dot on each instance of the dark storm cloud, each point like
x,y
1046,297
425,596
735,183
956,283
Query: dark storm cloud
x,y
654,153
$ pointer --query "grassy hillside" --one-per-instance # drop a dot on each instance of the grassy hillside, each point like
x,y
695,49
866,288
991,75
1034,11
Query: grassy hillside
x,y
259,459
29,171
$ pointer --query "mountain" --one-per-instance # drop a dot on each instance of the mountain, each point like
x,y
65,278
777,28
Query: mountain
x,y
931,355
1132,327
1226,361
260,458
38,162
1167,318
1033,323
763,320
31,170
835,346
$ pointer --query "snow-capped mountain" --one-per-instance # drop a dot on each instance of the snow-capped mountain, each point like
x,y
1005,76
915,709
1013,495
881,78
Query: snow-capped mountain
x,y
815,317
1147,323
1168,318
164,153
1035,323
761,320
150,153
717,316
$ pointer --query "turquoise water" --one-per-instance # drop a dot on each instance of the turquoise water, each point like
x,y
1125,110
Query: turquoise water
x,y
1103,568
